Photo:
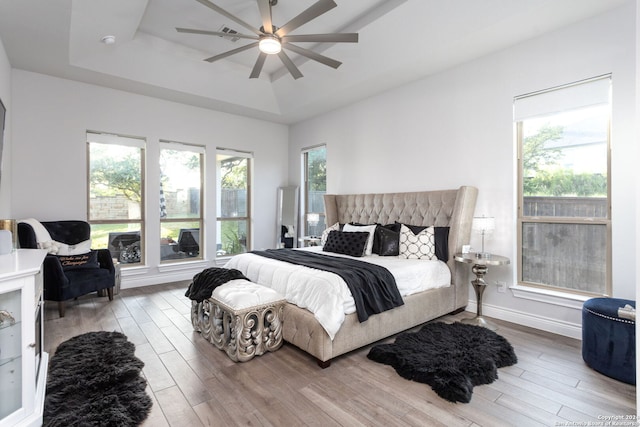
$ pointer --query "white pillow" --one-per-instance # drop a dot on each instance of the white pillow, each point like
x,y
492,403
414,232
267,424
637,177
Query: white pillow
x,y
51,246
77,249
417,246
59,248
371,229
325,233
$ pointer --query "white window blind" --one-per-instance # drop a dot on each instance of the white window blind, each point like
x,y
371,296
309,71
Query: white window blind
x,y
582,94
106,138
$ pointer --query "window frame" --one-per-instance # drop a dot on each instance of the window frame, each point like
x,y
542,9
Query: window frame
x,y
129,141
305,194
220,219
201,150
522,219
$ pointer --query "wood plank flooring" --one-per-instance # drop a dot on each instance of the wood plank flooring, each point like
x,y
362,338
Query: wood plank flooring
x,y
193,383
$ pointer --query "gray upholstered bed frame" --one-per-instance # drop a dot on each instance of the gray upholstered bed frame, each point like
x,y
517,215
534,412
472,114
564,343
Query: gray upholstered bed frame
x,y
452,208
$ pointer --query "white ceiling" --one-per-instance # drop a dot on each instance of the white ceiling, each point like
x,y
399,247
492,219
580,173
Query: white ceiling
x,y
400,41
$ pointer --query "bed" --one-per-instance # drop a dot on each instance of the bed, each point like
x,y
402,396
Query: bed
x,y
446,208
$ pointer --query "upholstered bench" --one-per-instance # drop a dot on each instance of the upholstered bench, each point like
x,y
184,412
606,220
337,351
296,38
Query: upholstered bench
x,y
242,318
608,340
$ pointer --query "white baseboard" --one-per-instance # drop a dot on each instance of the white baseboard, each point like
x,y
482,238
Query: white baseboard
x,y
135,277
137,281
555,326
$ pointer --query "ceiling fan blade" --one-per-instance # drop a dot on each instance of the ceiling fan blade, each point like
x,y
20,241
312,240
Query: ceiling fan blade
x,y
265,14
231,52
255,73
290,65
234,18
323,38
216,33
315,10
314,55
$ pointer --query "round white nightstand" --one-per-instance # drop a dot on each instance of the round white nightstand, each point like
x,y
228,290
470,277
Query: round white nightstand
x,y
480,266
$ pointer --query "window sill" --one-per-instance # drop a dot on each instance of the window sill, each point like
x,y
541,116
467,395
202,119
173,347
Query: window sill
x,y
180,266
548,296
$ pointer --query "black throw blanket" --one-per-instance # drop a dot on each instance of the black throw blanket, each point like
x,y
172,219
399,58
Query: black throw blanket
x,y
207,280
373,287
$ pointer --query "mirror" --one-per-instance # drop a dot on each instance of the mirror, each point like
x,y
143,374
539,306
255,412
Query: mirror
x,y
287,217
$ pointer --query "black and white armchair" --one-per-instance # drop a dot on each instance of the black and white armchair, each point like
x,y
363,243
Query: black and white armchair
x,y
67,277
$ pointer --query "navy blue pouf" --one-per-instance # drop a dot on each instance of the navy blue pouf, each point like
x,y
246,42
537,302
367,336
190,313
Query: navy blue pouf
x,y
609,341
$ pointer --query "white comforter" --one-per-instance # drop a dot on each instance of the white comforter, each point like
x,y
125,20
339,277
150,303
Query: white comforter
x,y
325,294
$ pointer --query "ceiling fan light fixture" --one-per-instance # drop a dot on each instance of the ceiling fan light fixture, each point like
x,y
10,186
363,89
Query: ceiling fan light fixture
x,y
270,39
269,44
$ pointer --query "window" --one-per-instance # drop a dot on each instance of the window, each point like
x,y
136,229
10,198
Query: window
x,y
564,212
116,170
315,186
181,225
233,204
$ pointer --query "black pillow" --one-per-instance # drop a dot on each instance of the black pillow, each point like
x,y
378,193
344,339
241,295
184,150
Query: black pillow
x,y
72,262
377,237
388,241
326,231
352,243
441,237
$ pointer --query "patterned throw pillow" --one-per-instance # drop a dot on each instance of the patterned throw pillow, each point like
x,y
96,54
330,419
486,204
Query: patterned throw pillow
x,y
325,233
441,236
417,246
352,243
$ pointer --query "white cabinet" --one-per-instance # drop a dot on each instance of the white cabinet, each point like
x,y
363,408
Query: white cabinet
x,y
23,364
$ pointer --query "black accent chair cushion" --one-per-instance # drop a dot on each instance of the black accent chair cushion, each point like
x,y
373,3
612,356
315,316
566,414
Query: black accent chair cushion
x,y
62,284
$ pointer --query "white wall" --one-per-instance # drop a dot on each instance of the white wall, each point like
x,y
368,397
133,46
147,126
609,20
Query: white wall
x,y
455,128
5,166
50,120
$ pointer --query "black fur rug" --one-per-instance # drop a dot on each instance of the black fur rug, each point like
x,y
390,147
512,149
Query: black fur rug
x,y
94,380
451,358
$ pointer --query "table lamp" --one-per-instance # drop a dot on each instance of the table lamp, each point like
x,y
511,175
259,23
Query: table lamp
x,y
484,225
313,219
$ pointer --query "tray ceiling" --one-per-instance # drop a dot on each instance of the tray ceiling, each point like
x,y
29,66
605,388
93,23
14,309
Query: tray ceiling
x,y
400,41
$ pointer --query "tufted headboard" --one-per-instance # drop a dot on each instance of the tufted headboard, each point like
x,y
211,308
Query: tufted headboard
x,y
444,208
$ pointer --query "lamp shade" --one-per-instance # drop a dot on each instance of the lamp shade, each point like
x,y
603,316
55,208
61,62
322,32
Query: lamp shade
x,y
313,218
484,224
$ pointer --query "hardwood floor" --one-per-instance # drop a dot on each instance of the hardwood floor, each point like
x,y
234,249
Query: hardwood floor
x,y
192,383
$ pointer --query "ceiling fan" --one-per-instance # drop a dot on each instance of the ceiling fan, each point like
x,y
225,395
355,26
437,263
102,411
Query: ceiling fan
x,y
271,40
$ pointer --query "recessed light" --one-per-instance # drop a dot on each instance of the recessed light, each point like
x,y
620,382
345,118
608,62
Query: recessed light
x,y
108,39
